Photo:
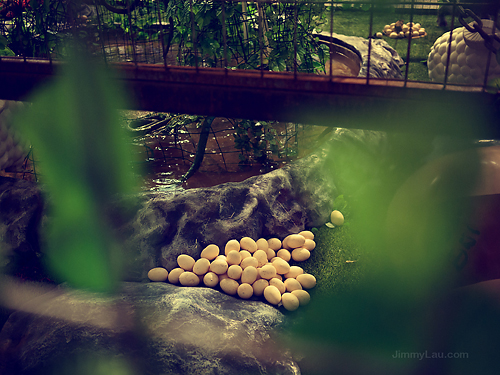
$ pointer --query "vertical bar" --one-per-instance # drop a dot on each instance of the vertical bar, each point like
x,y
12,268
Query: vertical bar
x,y
193,35
370,32
261,36
131,36
449,47
100,34
296,23
224,34
331,40
162,36
410,37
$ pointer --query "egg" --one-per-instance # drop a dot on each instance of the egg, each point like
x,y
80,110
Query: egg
x,y
173,276
405,28
290,301
259,286
231,245
300,254
261,257
250,261
282,267
421,31
302,296
248,244
284,243
284,254
336,216
249,275
229,286
270,254
262,244
379,35
307,234
245,291
219,266
189,278
393,35
292,284
280,285
274,243
234,271
233,257
309,245
415,33
387,27
211,279
272,295
201,266
158,274
244,254
267,271
307,280
294,272
210,252
401,34
295,240
186,262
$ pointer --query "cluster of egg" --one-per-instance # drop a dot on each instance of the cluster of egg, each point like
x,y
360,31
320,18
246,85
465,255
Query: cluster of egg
x,y
250,268
468,60
404,30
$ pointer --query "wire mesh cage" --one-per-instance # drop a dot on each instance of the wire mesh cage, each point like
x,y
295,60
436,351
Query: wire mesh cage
x,y
266,57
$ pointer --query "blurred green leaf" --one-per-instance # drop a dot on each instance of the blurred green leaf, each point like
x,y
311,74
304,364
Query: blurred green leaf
x,y
85,162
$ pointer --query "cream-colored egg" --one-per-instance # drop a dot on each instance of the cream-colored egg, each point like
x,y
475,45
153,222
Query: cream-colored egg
x,y
309,245
173,276
219,266
261,257
267,271
284,243
234,271
262,244
250,261
294,272
284,254
278,276
416,26
233,257
379,35
388,27
186,262
307,280
290,302
401,34
189,278
259,286
302,296
307,234
211,279
336,216
405,28
245,291
274,243
221,257
292,284
421,31
231,245
248,244
281,265
210,252
278,284
295,241
270,254
249,275
407,33
158,274
272,295
415,33
229,286
300,254
393,24
201,266
223,276
244,254
393,35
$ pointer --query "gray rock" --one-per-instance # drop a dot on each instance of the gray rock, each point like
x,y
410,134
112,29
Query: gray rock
x,y
385,62
156,328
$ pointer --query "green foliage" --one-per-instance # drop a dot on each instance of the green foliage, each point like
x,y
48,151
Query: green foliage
x,y
85,161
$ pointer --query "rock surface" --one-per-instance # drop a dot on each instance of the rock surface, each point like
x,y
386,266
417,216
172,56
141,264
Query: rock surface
x,y
385,62
154,328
